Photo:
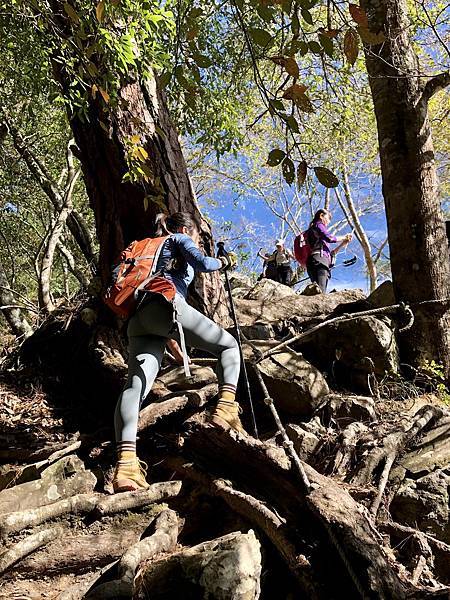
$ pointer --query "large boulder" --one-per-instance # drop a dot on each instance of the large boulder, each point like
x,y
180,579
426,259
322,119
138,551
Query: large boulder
x,y
361,346
273,303
66,477
227,568
175,379
295,385
425,503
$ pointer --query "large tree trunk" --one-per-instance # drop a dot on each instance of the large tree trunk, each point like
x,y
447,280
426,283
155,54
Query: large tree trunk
x,y
417,240
136,130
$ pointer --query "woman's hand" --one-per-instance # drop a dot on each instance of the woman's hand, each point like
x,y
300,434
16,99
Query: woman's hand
x,y
176,352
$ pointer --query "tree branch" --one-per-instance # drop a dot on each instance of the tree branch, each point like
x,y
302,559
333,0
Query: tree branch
x,y
435,84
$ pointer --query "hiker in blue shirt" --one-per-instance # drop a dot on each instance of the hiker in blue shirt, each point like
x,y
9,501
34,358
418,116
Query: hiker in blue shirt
x,y
149,330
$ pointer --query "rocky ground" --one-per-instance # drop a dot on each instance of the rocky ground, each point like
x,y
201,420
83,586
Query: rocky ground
x,y
349,498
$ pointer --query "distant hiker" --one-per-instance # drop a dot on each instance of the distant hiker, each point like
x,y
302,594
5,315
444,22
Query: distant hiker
x,y
321,257
159,320
280,259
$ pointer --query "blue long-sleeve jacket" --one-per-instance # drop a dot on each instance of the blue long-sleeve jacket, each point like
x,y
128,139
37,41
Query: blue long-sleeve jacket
x,y
190,259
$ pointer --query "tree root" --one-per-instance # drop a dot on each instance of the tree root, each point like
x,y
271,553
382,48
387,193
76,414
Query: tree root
x,y
164,539
97,504
259,515
336,516
27,546
347,444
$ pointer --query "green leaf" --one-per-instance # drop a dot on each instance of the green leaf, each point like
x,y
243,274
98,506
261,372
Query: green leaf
x,y
302,170
276,105
260,36
295,24
326,177
71,12
202,60
307,16
292,123
288,170
267,14
275,157
296,46
327,44
315,47
351,46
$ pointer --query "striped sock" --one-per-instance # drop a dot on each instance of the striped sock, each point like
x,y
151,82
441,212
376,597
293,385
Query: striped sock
x,y
126,450
227,391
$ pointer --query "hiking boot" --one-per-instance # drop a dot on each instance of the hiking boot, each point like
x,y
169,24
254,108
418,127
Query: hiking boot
x,y
130,475
226,415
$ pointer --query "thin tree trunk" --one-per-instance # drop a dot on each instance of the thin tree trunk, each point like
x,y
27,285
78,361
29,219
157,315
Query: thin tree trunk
x,y
417,240
75,222
362,237
18,324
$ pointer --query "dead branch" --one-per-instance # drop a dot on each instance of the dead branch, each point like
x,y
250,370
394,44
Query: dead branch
x,y
110,505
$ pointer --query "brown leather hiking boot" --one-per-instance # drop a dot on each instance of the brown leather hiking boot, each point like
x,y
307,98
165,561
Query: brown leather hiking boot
x,y
226,415
130,475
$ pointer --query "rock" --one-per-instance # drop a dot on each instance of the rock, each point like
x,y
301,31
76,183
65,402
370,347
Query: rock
x,y
267,290
288,304
365,345
258,331
295,385
64,478
175,379
425,504
305,442
14,475
227,568
237,280
432,453
312,289
383,295
347,409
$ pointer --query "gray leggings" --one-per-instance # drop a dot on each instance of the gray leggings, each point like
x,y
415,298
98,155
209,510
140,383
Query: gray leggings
x,y
148,331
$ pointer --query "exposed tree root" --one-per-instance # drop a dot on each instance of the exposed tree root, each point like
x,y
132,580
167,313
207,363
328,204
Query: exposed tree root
x,y
27,546
97,504
259,515
163,539
339,518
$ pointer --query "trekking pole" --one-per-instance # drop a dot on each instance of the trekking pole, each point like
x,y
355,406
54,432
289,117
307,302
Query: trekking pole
x,y
222,252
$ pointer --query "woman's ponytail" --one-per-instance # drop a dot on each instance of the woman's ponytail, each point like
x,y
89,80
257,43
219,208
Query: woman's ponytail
x,y
167,224
161,225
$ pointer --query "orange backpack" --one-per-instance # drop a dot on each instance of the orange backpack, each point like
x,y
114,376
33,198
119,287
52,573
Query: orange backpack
x,y
134,275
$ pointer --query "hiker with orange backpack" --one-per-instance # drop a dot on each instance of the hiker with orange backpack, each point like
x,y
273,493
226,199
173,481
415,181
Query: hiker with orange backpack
x,y
161,317
312,248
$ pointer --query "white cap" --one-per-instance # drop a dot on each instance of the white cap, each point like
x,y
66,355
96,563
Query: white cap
x,y
279,242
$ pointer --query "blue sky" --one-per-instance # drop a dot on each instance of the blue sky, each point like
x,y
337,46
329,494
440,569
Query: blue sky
x,y
254,214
